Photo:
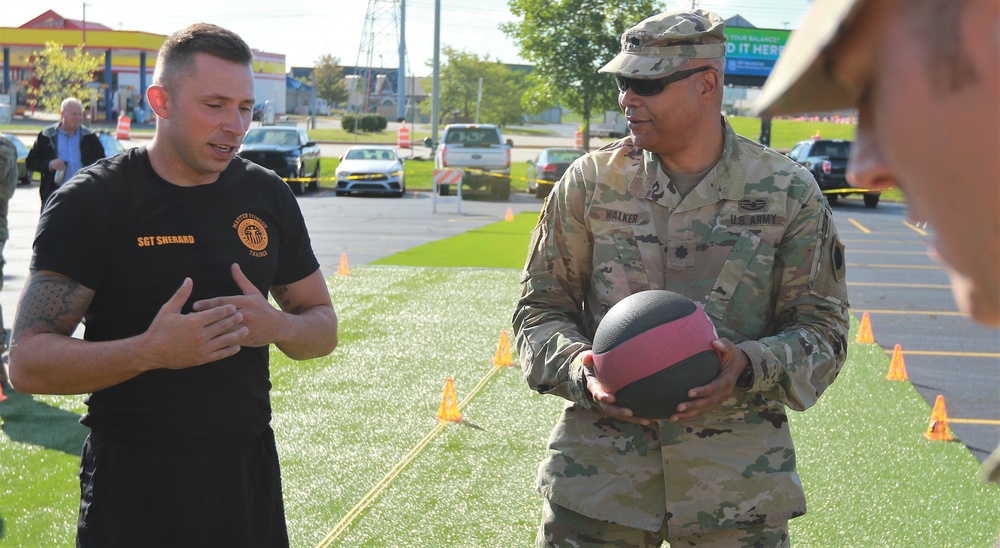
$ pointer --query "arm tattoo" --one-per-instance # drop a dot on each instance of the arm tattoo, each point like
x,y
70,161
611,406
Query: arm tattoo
x,y
52,303
280,293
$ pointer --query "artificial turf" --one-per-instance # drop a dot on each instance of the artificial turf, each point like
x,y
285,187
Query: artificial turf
x,y
870,476
345,422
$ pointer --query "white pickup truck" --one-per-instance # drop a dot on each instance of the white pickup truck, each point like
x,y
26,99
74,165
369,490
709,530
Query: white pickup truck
x,y
615,126
480,151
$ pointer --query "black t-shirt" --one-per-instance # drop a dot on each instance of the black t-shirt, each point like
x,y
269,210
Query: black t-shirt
x,y
133,237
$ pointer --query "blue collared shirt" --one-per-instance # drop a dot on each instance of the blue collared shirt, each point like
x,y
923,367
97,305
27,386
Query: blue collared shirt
x,y
68,149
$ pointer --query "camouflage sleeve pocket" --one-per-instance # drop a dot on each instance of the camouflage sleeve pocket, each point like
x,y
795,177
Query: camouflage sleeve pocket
x,y
829,270
535,261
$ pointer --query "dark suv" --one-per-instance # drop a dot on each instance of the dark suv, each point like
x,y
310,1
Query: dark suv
x,y
827,160
286,150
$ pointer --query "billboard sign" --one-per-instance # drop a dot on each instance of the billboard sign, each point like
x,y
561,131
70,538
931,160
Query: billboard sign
x,y
753,52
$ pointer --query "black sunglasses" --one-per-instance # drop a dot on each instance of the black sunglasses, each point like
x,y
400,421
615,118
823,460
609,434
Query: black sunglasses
x,y
645,88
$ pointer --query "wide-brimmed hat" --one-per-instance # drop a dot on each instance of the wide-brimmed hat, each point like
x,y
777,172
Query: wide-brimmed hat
x,y
661,44
801,79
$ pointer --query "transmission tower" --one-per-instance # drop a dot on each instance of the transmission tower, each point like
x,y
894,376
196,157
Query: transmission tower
x,y
380,67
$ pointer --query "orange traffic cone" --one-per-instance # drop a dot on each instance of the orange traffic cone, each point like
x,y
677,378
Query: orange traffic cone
x,y
448,411
897,367
937,428
343,269
510,215
865,335
503,357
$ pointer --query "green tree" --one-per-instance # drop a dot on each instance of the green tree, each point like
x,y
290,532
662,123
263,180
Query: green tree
x,y
59,75
330,80
459,93
567,41
505,104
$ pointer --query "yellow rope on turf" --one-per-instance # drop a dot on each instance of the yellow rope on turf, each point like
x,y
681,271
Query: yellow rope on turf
x,y
383,484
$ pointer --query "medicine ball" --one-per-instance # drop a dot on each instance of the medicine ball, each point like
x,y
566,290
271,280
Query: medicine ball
x,y
651,348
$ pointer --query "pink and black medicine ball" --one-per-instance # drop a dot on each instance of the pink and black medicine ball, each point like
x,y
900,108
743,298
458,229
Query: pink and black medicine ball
x,y
651,348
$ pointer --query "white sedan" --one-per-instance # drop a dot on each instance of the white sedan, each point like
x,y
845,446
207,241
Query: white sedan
x,y
370,169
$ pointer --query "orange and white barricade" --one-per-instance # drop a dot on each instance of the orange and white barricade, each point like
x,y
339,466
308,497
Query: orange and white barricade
x,y
124,126
403,136
447,177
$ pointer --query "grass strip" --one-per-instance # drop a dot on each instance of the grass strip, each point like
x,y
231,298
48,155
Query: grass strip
x,y
499,245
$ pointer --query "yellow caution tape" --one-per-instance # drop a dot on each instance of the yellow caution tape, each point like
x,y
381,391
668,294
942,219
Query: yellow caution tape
x,y
854,190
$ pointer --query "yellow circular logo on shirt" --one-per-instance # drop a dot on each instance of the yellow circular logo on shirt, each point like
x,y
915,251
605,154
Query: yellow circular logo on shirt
x,y
252,232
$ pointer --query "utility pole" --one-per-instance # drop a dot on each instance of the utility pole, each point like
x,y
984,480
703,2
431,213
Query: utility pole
x,y
401,74
435,86
312,101
84,24
479,98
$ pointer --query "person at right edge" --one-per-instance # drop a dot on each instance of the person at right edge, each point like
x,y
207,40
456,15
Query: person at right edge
x,y
682,204
928,111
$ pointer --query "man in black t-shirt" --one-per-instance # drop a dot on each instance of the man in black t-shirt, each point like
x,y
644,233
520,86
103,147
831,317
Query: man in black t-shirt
x,y
169,251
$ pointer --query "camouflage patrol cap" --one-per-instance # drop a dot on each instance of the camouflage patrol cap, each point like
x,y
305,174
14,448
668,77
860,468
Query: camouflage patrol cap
x,y
661,44
801,79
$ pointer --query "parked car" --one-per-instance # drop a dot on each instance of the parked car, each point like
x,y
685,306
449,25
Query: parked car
x,y
23,175
827,160
370,169
287,151
548,167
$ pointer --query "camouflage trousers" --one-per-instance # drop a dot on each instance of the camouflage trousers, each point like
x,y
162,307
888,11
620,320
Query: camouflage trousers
x,y
562,528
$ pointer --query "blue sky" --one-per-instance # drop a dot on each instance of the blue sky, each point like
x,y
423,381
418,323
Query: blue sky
x,y
305,29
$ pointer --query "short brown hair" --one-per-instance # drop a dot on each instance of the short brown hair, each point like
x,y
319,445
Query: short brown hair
x,y
177,53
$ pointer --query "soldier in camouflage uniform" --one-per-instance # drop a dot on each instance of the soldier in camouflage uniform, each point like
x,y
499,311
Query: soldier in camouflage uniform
x,y
928,121
8,182
686,205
